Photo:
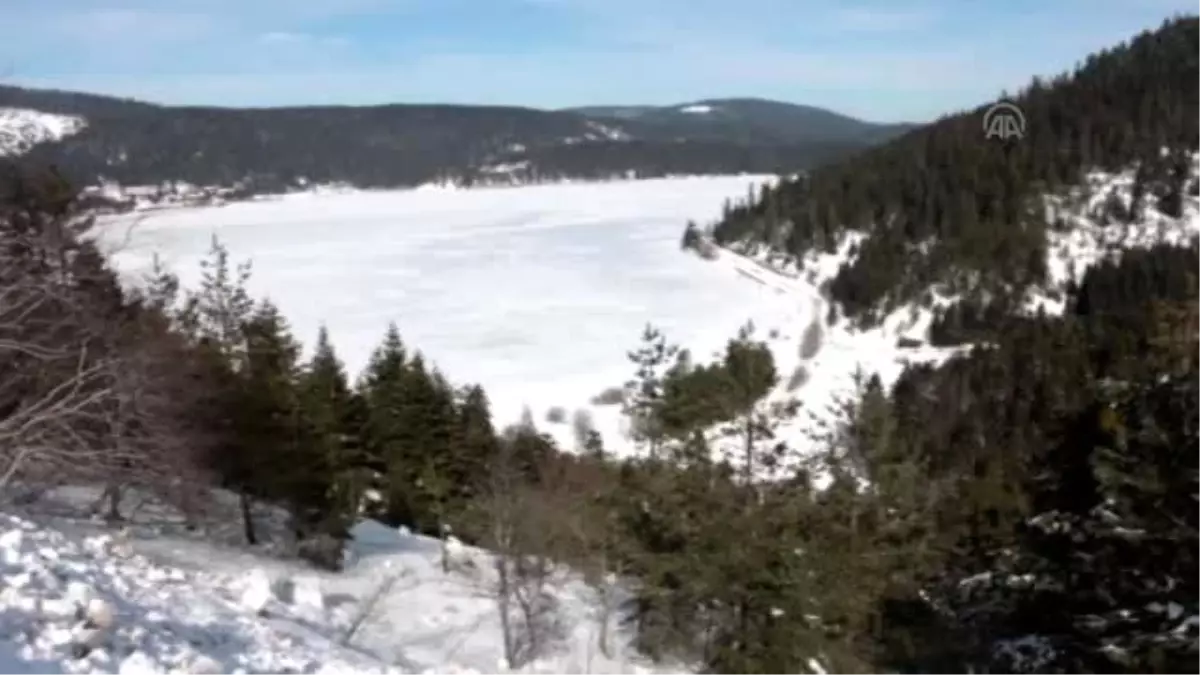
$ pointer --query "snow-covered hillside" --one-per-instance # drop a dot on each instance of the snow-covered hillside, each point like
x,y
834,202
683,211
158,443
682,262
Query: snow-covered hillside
x,y
818,359
823,370
21,129
76,597
1085,239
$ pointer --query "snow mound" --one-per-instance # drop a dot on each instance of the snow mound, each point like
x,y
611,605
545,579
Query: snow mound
x,y
21,129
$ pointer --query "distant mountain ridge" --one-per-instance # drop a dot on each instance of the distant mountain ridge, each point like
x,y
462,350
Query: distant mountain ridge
x,y
98,138
748,120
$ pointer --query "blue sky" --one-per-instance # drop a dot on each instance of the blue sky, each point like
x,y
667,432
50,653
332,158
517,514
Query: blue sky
x,y
898,60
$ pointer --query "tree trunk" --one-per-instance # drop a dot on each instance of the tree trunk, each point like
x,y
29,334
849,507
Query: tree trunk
x,y
503,603
113,494
247,520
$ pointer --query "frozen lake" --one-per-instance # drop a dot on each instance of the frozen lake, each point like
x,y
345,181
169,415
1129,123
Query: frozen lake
x,y
537,292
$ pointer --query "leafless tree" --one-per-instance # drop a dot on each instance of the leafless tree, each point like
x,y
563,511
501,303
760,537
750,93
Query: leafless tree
x,y
518,529
90,389
578,495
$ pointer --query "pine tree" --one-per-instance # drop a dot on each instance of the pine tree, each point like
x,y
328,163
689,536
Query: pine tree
x,y
327,492
221,306
749,374
266,414
390,426
644,393
477,443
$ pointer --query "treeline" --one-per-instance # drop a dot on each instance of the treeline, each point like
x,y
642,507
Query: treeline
x,y
653,159
278,149
946,204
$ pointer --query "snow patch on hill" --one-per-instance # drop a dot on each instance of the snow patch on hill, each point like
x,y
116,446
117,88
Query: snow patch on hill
x,y
605,132
21,129
1088,234
696,109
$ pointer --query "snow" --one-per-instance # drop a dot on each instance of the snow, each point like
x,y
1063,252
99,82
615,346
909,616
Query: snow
x,y
845,349
605,132
177,604
21,129
830,363
696,109
1087,240
535,292
538,292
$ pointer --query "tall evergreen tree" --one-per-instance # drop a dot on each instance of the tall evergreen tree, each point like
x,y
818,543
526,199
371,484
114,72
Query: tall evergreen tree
x,y
327,493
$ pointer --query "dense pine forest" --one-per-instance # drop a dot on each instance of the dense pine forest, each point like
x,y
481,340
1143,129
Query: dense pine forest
x,y
946,204
1028,506
269,150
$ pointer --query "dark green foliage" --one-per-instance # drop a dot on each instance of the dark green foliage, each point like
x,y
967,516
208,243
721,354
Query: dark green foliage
x,y
326,494
265,408
944,200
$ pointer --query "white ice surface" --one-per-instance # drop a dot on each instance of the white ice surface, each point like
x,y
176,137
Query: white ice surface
x,y
537,292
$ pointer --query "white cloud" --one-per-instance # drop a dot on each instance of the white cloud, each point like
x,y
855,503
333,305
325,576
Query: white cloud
x,y
276,37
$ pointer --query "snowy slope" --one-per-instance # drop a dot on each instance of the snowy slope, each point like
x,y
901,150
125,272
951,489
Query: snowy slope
x,y
189,605
828,373
21,129
817,361
1086,240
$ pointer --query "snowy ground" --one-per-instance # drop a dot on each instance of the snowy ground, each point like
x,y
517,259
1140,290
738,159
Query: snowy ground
x,y
186,604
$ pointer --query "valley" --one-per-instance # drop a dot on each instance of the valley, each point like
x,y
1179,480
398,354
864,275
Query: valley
x,y
721,385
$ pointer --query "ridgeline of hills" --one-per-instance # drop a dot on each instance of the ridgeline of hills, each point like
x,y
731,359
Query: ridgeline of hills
x,y
272,149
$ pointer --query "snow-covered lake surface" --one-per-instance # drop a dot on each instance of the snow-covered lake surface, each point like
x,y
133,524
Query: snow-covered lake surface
x,y
537,292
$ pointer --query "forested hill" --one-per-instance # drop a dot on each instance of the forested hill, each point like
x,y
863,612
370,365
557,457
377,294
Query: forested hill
x,y
1031,501
946,204
269,149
